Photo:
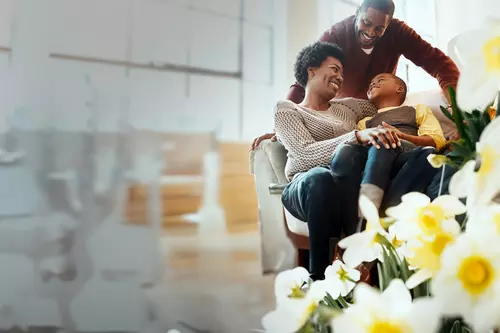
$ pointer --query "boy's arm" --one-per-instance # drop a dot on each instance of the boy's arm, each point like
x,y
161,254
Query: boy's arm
x,y
362,124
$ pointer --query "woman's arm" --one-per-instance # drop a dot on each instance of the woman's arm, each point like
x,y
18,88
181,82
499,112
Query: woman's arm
x,y
297,139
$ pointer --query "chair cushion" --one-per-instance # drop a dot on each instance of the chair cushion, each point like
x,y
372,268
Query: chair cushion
x,y
295,225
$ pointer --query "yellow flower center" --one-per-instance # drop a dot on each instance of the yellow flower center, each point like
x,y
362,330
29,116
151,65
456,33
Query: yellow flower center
x,y
385,327
297,292
430,218
308,311
476,275
342,274
491,51
396,242
440,242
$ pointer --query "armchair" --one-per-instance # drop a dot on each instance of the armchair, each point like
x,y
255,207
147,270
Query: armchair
x,y
284,239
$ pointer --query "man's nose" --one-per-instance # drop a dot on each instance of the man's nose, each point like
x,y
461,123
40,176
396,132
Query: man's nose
x,y
370,32
340,78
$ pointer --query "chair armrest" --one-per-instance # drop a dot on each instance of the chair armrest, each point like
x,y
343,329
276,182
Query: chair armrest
x,y
276,188
275,154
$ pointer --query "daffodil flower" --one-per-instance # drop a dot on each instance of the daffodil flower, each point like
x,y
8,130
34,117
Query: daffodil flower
x,y
485,219
478,53
291,284
416,215
468,282
437,161
425,252
291,315
478,180
364,246
389,312
342,278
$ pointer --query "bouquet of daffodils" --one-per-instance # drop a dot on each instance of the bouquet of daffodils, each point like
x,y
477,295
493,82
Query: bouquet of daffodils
x,y
434,274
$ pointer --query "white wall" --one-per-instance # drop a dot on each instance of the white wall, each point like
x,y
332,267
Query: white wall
x,y
208,34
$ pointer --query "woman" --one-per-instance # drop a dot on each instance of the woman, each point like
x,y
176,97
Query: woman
x,y
325,197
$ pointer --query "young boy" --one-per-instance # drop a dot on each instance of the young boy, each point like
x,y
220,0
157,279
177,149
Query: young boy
x,y
415,126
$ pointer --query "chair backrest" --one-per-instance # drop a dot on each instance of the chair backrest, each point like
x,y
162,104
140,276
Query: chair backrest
x,y
433,99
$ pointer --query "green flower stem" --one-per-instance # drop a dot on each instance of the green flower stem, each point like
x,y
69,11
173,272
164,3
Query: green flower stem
x,y
343,302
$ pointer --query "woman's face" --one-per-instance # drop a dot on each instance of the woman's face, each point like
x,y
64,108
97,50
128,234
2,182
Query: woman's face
x,y
326,79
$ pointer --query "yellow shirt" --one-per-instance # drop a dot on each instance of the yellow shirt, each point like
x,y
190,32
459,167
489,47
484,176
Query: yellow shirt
x,y
426,121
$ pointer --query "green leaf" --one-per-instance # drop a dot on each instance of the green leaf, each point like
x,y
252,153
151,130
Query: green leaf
x,y
342,302
458,117
446,112
381,280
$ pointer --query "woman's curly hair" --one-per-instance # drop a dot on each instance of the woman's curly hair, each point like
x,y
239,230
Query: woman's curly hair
x,y
313,56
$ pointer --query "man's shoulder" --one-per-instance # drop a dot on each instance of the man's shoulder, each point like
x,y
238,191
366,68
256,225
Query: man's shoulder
x,y
398,27
344,25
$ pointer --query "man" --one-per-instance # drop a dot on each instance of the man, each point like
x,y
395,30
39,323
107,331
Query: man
x,y
373,41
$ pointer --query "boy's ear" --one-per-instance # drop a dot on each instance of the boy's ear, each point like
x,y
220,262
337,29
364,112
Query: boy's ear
x,y
400,90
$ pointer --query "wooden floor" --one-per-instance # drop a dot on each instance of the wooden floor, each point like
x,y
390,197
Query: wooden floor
x,y
213,283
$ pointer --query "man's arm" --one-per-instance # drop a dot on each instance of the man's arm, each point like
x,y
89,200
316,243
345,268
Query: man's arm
x,y
431,59
297,92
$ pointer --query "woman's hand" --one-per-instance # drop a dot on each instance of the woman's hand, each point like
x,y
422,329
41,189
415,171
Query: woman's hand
x,y
388,137
261,138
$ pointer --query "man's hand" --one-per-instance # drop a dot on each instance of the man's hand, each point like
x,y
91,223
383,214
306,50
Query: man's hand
x,y
373,136
261,138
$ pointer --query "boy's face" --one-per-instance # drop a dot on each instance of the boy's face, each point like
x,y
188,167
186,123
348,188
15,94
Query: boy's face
x,y
384,85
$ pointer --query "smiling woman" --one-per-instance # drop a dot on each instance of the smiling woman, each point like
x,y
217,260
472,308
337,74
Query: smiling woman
x,y
311,132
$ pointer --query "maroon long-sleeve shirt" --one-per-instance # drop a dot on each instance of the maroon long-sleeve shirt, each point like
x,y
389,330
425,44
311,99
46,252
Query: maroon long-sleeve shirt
x,y
359,67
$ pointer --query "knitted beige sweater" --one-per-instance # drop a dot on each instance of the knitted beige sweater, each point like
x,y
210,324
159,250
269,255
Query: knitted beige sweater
x,y
311,137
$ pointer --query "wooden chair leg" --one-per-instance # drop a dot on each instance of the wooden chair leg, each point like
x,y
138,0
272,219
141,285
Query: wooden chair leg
x,y
303,258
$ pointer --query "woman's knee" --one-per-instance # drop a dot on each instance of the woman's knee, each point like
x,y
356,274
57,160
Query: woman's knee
x,y
319,181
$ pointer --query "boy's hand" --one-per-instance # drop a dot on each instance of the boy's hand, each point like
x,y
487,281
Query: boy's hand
x,y
373,136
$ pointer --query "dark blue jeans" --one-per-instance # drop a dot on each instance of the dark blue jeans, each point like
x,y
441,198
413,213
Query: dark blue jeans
x,y
327,198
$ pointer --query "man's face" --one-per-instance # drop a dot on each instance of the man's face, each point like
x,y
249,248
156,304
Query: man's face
x,y
384,85
370,26
327,79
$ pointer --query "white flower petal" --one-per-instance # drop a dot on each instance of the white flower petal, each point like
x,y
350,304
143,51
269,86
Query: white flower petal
x,y
418,278
397,295
450,204
463,181
491,133
415,199
476,88
404,230
280,321
425,315
369,211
